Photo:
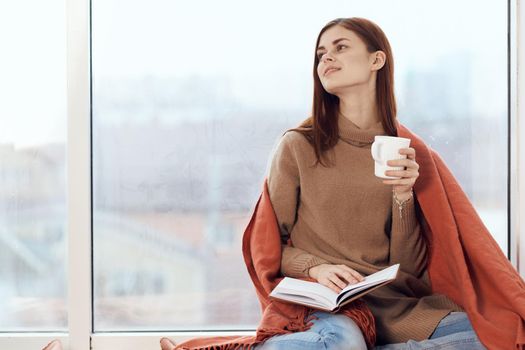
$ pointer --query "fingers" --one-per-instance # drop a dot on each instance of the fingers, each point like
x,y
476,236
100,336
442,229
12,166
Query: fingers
x,y
337,277
333,286
409,175
410,152
351,273
351,279
337,281
402,173
333,282
343,273
407,181
409,163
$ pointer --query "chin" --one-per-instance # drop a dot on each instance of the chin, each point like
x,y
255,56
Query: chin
x,y
338,88
332,89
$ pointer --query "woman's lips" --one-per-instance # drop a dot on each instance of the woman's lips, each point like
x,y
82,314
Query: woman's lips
x,y
331,70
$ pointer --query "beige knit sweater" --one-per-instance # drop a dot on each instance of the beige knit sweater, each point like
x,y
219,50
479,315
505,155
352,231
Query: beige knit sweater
x,y
344,214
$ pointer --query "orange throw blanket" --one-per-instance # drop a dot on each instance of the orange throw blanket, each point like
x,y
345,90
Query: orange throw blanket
x,y
464,263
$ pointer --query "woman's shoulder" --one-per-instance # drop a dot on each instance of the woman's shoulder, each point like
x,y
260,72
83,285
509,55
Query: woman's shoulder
x,y
294,138
292,148
289,145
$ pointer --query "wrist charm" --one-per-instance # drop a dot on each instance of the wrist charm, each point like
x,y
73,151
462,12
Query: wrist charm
x,y
401,205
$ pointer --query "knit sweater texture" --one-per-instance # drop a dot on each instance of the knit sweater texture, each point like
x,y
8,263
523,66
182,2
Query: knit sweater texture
x,y
344,214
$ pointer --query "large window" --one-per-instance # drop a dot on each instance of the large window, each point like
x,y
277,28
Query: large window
x,y
32,166
189,99
183,103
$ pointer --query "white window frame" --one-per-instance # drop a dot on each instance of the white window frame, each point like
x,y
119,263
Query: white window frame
x,y
517,134
80,335
79,173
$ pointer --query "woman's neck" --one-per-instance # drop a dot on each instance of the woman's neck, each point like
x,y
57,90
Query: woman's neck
x,y
363,114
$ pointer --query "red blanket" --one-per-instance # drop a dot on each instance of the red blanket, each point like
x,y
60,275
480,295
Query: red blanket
x,y
465,263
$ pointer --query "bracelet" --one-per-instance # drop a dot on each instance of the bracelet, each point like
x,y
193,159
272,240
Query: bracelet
x,y
401,205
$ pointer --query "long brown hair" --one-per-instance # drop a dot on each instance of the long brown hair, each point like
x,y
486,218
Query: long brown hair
x,y
321,128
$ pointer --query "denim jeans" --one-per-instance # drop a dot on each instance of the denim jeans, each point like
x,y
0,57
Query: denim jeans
x,y
330,332
454,331
338,332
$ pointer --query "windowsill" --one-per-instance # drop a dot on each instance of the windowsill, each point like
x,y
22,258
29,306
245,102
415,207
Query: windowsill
x,y
108,341
151,340
24,341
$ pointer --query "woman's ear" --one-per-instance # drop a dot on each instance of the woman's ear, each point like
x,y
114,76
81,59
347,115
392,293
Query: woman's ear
x,y
379,59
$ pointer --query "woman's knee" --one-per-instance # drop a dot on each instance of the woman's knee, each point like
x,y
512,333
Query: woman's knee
x,y
330,332
343,334
350,344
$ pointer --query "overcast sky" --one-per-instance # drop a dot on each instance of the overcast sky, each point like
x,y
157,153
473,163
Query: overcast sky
x,y
264,49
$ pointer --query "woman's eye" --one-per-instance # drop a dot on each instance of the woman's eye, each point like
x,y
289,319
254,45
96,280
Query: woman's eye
x,y
338,48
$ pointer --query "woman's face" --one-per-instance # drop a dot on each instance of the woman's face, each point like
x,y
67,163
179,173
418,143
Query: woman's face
x,y
344,60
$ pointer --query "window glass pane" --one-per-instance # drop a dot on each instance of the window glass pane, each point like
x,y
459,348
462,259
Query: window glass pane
x,y
32,166
189,101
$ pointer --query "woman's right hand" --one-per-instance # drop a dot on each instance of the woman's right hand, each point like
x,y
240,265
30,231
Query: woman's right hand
x,y
335,277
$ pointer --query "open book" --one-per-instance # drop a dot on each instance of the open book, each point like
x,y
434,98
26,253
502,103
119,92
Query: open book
x,y
320,297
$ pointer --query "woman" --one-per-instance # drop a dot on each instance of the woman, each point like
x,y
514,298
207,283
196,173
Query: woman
x,y
342,220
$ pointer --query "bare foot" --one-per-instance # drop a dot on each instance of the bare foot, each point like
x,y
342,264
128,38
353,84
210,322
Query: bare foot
x,y
54,345
166,344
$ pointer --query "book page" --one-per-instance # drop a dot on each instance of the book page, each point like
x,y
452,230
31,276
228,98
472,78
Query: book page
x,y
378,277
300,299
309,289
370,281
293,289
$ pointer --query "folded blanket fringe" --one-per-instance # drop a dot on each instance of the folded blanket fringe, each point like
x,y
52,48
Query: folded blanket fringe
x,y
356,310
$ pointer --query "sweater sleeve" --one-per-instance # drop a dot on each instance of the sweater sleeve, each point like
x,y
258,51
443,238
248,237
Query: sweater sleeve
x,y
407,246
284,191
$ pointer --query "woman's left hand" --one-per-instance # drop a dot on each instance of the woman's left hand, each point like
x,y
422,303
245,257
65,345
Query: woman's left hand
x,y
408,176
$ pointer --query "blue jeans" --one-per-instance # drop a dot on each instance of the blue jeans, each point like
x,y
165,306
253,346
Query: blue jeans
x,y
454,331
330,332
338,332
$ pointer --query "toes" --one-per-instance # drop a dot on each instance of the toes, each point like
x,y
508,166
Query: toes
x,y
54,345
166,344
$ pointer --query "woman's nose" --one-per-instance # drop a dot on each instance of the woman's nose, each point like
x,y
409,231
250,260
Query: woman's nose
x,y
326,57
